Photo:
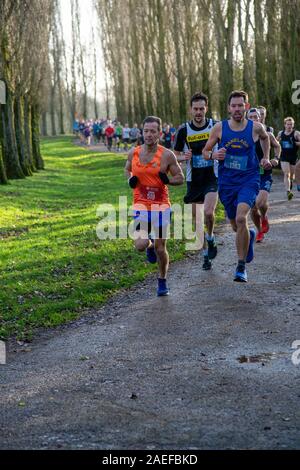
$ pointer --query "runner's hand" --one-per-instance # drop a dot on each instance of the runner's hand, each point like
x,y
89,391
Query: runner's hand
x,y
164,177
266,164
133,181
274,162
187,154
219,154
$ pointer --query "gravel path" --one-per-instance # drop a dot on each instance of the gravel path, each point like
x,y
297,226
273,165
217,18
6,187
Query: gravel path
x,y
210,367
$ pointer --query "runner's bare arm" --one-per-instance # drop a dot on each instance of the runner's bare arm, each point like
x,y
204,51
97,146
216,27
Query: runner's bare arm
x,y
262,134
274,143
169,164
214,138
277,148
297,138
183,156
128,165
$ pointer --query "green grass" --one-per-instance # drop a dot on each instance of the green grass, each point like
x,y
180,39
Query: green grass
x,y
52,265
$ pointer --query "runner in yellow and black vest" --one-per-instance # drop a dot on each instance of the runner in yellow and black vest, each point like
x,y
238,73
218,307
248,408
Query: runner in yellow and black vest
x,y
201,175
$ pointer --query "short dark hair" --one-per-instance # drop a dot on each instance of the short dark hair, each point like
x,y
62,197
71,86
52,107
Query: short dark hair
x,y
153,119
199,96
238,94
254,110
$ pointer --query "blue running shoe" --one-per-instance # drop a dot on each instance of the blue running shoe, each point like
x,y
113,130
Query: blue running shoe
x,y
151,255
250,254
240,274
162,288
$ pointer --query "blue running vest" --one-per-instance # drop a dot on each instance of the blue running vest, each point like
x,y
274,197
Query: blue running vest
x,y
241,164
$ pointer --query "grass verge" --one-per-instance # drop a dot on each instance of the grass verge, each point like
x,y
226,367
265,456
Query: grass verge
x,y
52,265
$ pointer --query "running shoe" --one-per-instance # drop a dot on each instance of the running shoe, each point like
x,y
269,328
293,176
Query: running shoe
x,y
250,254
290,195
162,288
206,263
151,255
260,237
265,224
240,274
212,248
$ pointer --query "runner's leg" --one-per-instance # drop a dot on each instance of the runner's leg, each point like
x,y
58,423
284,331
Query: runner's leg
x,y
285,166
162,257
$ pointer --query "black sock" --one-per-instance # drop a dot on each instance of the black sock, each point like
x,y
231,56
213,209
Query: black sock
x,y
241,264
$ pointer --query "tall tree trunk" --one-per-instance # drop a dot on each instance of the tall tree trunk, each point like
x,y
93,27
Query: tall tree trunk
x,y
167,104
95,81
35,118
149,109
28,132
260,57
52,109
44,124
244,43
179,66
82,65
61,105
152,19
206,42
272,78
135,58
107,96
73,66
11,157
3,176
190,50
20,139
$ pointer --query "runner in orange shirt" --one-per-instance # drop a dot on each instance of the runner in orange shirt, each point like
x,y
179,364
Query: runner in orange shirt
x,y
147,169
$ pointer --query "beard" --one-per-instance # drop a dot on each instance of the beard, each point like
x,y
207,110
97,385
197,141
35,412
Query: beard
x,y
238,116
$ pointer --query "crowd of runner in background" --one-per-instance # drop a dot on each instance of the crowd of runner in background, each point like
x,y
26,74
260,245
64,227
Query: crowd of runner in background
x,y
116,136
121,138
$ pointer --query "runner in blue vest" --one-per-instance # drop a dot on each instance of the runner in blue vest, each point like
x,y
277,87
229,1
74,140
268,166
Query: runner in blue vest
x,y
239,179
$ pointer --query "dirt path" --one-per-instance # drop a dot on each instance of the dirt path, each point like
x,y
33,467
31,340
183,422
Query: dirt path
x,y
163,373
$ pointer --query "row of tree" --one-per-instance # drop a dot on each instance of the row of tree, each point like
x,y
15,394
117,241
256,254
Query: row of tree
x,y
48,81
24,64
72,86
159,52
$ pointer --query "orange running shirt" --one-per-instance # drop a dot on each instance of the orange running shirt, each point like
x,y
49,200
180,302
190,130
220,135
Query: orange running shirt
x,y
150,189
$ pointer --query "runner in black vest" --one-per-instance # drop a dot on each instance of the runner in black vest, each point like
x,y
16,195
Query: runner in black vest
x,y
259,211
289,140
202,187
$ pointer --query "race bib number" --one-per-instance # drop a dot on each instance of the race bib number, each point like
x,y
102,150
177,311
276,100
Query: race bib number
x,y
200,162
150,193
286,144
236,162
